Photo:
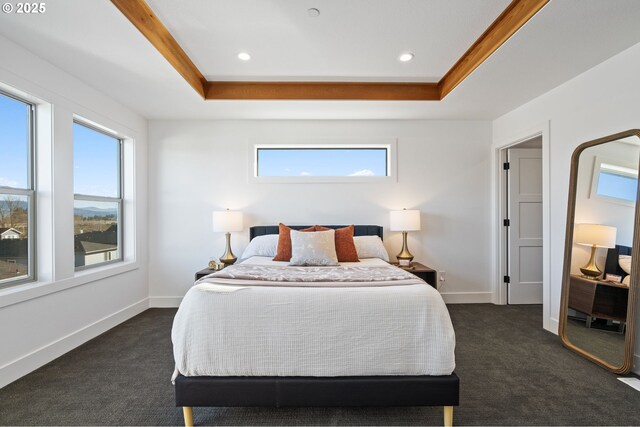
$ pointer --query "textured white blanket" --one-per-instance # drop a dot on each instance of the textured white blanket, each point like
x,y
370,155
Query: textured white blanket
x,y
223,330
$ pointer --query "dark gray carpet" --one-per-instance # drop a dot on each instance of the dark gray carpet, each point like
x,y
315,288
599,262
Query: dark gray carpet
x,y
512,373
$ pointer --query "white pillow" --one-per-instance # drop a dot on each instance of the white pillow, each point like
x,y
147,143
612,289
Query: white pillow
x,y
625,263
626,280
318,248
266,245
370,247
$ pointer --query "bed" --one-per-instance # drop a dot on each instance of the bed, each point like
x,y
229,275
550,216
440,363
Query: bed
x,y
383,343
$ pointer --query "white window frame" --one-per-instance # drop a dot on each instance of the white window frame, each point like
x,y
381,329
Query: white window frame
x,y
389,144
30,193
92,198
597,166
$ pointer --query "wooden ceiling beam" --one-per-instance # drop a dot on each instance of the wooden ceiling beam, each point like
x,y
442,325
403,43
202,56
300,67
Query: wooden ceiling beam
x,y
324,91
510,20
143,18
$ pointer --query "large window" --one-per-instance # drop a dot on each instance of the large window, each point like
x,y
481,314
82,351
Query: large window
x,y
97,176
322,161
17,236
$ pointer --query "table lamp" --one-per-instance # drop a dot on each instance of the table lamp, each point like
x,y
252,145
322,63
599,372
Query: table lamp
x,y
226,222
404,220
596,236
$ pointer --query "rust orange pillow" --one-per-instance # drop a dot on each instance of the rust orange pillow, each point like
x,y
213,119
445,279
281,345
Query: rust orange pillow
x,y
283,253
345,246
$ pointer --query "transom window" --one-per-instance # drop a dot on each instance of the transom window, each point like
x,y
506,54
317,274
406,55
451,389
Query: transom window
x,y
615,182
17,199
322,161
97,177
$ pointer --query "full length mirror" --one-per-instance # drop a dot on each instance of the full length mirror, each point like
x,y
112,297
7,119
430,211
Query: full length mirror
x,y
599,284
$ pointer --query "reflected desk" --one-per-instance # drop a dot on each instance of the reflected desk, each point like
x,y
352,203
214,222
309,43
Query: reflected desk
x,y
599,299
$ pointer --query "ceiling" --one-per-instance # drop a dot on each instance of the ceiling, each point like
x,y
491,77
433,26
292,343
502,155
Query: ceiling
x,y
350,40
354,40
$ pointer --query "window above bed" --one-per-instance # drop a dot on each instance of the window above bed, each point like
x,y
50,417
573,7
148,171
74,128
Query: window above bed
x,y
323,162
615,182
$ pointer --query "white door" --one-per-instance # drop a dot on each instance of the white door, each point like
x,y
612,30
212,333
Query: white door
x,y
525,225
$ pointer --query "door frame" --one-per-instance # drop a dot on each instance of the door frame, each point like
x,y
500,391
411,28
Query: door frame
x,y
499,153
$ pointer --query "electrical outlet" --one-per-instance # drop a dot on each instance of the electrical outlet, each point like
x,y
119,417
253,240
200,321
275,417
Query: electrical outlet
x,y
442,277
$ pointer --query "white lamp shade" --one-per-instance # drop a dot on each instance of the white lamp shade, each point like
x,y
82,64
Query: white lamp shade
x,y
404,220
226,221
603,236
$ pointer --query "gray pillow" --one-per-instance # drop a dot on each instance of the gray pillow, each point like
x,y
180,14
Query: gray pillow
x,y
317,248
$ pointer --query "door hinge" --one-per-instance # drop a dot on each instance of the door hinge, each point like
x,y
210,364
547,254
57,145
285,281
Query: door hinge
x,y
507,222
505,166
507,279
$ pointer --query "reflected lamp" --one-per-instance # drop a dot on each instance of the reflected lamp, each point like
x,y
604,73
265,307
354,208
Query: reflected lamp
x,y
596,236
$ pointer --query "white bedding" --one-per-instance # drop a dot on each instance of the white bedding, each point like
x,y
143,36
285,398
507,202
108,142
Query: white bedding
x,y
226,330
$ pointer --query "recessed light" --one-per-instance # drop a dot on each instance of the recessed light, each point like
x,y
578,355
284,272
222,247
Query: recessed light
x,y
244,56
406,57
313,12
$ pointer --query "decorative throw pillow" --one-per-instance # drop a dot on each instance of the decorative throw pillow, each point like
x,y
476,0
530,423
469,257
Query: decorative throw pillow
x,y
626,280
284,242
313,248
625,263
266,245
345,247
370,247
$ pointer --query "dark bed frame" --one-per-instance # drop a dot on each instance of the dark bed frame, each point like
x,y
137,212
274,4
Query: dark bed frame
x,y
423,390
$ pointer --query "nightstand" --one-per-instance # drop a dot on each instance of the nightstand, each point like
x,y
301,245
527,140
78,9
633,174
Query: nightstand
x,y
205,271
427,274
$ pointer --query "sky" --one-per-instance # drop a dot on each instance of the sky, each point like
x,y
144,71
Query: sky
x,y
322,162
95,160
14,137
95,154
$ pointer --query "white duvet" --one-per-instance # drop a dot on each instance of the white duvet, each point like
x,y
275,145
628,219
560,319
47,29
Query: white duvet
x,y
226,330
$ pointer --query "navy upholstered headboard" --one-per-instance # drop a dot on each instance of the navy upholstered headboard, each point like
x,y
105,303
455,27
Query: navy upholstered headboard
x,y
358,230
612,265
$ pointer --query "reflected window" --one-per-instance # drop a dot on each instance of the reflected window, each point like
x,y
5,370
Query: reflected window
x,y
615,182
97,210
17,199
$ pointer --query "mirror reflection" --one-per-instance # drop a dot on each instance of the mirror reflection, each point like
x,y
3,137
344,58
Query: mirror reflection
x,y
598,288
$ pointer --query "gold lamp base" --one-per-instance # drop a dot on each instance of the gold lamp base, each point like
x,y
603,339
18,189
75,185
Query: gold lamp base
x,y
591,270
404,257
228,257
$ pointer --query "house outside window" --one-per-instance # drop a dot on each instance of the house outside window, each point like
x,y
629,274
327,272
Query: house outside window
x,y
17,191
97,159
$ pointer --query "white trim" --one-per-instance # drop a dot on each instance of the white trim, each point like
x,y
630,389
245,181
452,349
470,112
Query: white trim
x,y
498,242
390,144
25,292
45,354
164,302
554,326
466,297
636,364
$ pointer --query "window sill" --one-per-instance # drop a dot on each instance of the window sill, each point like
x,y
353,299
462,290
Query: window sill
x,y
28,291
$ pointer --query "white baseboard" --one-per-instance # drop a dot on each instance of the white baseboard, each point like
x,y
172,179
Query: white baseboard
x,y
45,354
164,302
636,364
467,297
554,326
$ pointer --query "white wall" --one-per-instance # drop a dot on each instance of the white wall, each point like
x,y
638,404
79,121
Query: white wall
x,y
40,321
196,167
599,102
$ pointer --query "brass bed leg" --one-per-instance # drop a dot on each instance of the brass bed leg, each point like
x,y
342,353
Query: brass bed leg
x,y
187,411
448,416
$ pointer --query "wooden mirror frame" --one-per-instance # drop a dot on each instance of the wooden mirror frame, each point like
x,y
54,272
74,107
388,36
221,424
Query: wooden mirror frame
x,y
632,302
